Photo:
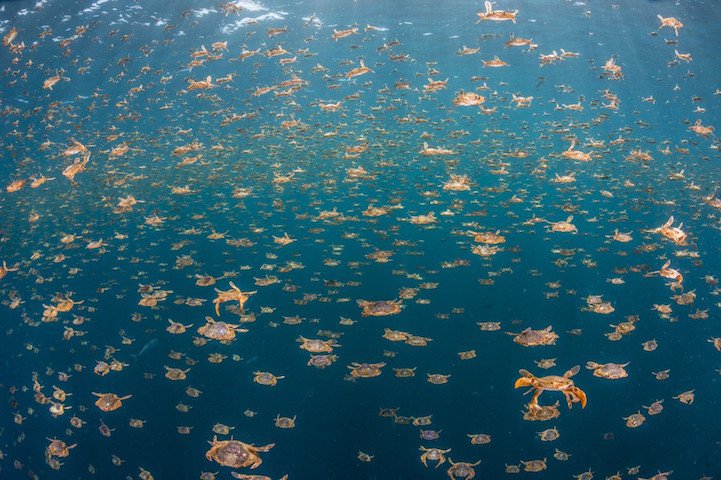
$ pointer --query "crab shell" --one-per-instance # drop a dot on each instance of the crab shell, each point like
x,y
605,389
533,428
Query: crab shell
x,y
490,238
379,308
554,383
217,330
544,413
107,402
395,335
366,370
611,371
321,361
461,470
534,465
435,454
534,338
564,226
235,454
316,346
265,378
58,448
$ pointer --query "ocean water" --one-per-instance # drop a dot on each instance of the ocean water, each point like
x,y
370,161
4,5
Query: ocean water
x,y
295,144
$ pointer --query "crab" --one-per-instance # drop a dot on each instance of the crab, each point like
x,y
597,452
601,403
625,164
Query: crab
x,y
670,22
235,454
620,236
285,422
534,465
572,154
5,269
176,373
496,15
379,308
317,346
561,456
405,372
549,435
534,338
107,402
655,408
479,438
611,371
58,448
485,250
365,370
461,470
66,304
205,280
361,70
266,378
234,294
221,429
428,219
321,361
372,211
553,383
458,183
395,335
429,434
434,454
635,420
686,397
670,273
470,99
437,378
564,226
177,328
219,330
491,238
675,234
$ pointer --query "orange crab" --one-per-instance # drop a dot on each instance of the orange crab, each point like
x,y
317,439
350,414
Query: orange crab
x,y
553,383
219,330
107,402
379,308
496,15
675,234
670,273
670,22
234,294
461,470
235,454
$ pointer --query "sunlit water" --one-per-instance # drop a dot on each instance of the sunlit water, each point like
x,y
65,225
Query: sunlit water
x,y
125,78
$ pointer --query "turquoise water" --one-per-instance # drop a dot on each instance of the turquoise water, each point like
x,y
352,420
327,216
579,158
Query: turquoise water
x,y
276,162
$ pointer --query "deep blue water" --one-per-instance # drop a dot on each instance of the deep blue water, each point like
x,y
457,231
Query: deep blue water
x,y
125,81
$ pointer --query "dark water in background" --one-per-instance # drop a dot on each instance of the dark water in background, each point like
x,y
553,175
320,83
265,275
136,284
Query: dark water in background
x,y
337,418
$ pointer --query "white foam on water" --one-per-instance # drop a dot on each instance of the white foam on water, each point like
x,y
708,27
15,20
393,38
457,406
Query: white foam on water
x,y
204,11
94,6
232,27
250,5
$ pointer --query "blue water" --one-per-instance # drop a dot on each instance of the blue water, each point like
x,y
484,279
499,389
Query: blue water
x,y
125,79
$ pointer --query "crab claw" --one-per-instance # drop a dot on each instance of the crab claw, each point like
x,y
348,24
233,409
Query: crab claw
x,y
523,382
579,395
